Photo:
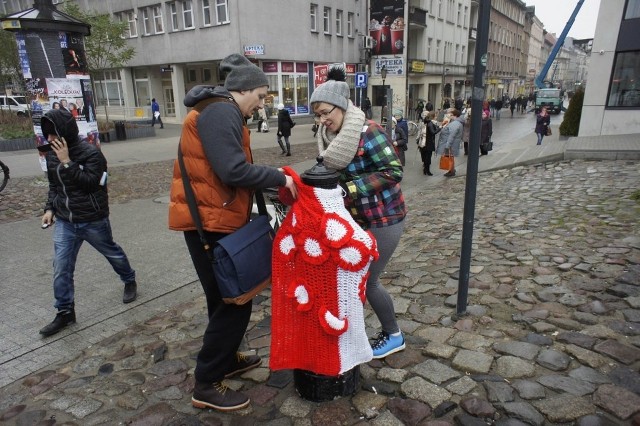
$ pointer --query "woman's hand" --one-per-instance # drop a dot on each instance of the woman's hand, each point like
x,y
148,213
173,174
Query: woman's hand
x,y
291,186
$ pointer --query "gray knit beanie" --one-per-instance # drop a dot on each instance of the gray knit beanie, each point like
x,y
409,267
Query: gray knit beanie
x,y
334,91
242,74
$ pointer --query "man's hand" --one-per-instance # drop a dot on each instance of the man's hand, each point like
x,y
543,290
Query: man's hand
x,y
61,149
291,186
47,218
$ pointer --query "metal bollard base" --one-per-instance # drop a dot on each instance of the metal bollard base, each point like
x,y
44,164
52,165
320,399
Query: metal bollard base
x,y
319,388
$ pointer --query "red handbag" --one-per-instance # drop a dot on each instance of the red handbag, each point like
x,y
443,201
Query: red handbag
x,y
446,162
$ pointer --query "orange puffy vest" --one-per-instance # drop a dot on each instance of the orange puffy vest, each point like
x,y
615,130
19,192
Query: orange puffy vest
x,y
222,208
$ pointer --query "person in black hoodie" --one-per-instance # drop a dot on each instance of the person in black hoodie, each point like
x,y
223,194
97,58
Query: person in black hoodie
x,y
78,199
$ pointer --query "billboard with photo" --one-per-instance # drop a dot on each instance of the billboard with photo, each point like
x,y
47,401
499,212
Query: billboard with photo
x,y
386,27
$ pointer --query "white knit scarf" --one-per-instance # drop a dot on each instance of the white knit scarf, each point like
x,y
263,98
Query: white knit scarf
x,y
339,149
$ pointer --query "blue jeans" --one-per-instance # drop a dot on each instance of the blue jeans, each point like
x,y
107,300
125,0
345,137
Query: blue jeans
x,y
540,137
67,239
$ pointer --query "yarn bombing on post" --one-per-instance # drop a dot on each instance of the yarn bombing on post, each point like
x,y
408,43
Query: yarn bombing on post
x,y
321,258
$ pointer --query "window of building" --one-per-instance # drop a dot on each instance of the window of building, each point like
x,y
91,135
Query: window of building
x,y
633,9
133,24
108,88
458,54
350,24
206,13
173,16
222,11
326,20
450,10
440,14
459,17
146,21
192,75
338,22
157,20
437,51
187,14
206,75
466,15
313,14
624,89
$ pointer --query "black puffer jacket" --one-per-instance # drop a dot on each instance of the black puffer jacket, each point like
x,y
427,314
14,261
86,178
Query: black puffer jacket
x,y
75,193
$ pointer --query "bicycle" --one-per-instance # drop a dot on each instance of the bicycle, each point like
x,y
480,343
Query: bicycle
x,y
4,179
280,209
413,128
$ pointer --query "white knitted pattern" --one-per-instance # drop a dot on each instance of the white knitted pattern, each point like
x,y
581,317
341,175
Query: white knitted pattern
x,y
353,344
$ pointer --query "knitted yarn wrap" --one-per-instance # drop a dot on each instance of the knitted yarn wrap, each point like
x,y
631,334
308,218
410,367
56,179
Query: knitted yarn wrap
x,y
321,258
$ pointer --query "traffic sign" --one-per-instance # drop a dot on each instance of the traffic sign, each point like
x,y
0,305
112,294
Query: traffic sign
x,y
361,80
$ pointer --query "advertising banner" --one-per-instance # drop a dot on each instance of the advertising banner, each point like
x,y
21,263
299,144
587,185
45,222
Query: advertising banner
x,y
386,27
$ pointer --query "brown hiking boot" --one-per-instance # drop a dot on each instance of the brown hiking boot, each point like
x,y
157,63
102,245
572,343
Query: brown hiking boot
x,y
217,396
243,363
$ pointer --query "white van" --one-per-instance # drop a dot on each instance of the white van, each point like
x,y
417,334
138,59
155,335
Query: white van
x,y
15,104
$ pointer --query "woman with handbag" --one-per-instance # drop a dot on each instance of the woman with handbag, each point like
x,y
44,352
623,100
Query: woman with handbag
x,y
215,148
429,128
451,139
486,130
543,123
285,124
370,174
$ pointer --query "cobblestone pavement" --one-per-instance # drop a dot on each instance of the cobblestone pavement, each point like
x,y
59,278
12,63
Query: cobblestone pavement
x,y
551,335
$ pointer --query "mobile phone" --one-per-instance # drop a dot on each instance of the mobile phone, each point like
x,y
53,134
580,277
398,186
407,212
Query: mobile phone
x,y
45,148
45,225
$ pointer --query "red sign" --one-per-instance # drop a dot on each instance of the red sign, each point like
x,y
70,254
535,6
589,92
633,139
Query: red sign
x,y
287,66
270,66
319,74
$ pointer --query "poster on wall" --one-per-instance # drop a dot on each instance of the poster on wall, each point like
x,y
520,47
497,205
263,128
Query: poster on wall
x,y
73,56
386,27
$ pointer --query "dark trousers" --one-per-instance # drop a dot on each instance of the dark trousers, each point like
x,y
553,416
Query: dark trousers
x,y
227,323
425,156
153,121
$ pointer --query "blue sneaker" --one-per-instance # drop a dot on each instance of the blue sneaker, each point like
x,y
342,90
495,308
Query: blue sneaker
x,y
386,344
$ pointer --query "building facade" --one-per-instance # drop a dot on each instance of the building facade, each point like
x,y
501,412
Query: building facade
x,y
180,43
612,99
535,60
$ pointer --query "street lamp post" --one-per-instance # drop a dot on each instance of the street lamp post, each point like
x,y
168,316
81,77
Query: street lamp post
x,y
383,74
444,73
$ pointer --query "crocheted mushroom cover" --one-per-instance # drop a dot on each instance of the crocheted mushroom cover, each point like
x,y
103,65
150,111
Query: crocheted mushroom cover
x,y
320,261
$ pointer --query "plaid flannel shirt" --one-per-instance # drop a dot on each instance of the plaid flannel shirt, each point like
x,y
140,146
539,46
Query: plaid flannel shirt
x,y
372,181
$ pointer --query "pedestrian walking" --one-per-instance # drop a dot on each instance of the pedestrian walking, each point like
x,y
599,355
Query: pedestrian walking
x,y
155,113
451,137
263,125
285,124
426,139
79,201
512,105
366,107
370,175
399,138
543,121
466,131
419,108
486,131
499,105
216,146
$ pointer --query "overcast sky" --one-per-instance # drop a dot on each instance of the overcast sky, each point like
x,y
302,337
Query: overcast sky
x,y
554,14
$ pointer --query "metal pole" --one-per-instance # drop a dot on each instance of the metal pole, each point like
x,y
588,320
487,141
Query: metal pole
x,y
477,98
389,99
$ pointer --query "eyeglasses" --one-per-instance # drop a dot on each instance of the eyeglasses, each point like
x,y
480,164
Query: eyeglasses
x,y
325,114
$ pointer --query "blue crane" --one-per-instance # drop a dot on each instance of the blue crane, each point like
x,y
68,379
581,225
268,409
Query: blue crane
x,y
539,81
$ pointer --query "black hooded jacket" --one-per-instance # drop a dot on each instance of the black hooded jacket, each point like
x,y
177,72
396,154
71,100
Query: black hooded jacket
x,y
75,193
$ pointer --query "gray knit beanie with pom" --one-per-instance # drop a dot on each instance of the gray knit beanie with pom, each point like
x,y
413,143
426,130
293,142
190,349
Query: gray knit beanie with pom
x,y
334,91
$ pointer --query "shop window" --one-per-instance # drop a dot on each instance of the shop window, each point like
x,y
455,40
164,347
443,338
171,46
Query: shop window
x,y
625,88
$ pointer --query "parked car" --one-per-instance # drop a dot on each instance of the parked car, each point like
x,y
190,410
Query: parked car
x,y
15,104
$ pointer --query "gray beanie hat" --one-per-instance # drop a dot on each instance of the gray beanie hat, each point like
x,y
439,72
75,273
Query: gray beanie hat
x,y
334,91
242,74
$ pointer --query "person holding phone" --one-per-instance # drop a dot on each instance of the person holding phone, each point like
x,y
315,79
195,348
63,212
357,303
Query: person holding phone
x,y
79,201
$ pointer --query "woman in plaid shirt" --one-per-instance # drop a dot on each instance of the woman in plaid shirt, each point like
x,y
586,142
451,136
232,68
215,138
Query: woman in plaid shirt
x,y
370,174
